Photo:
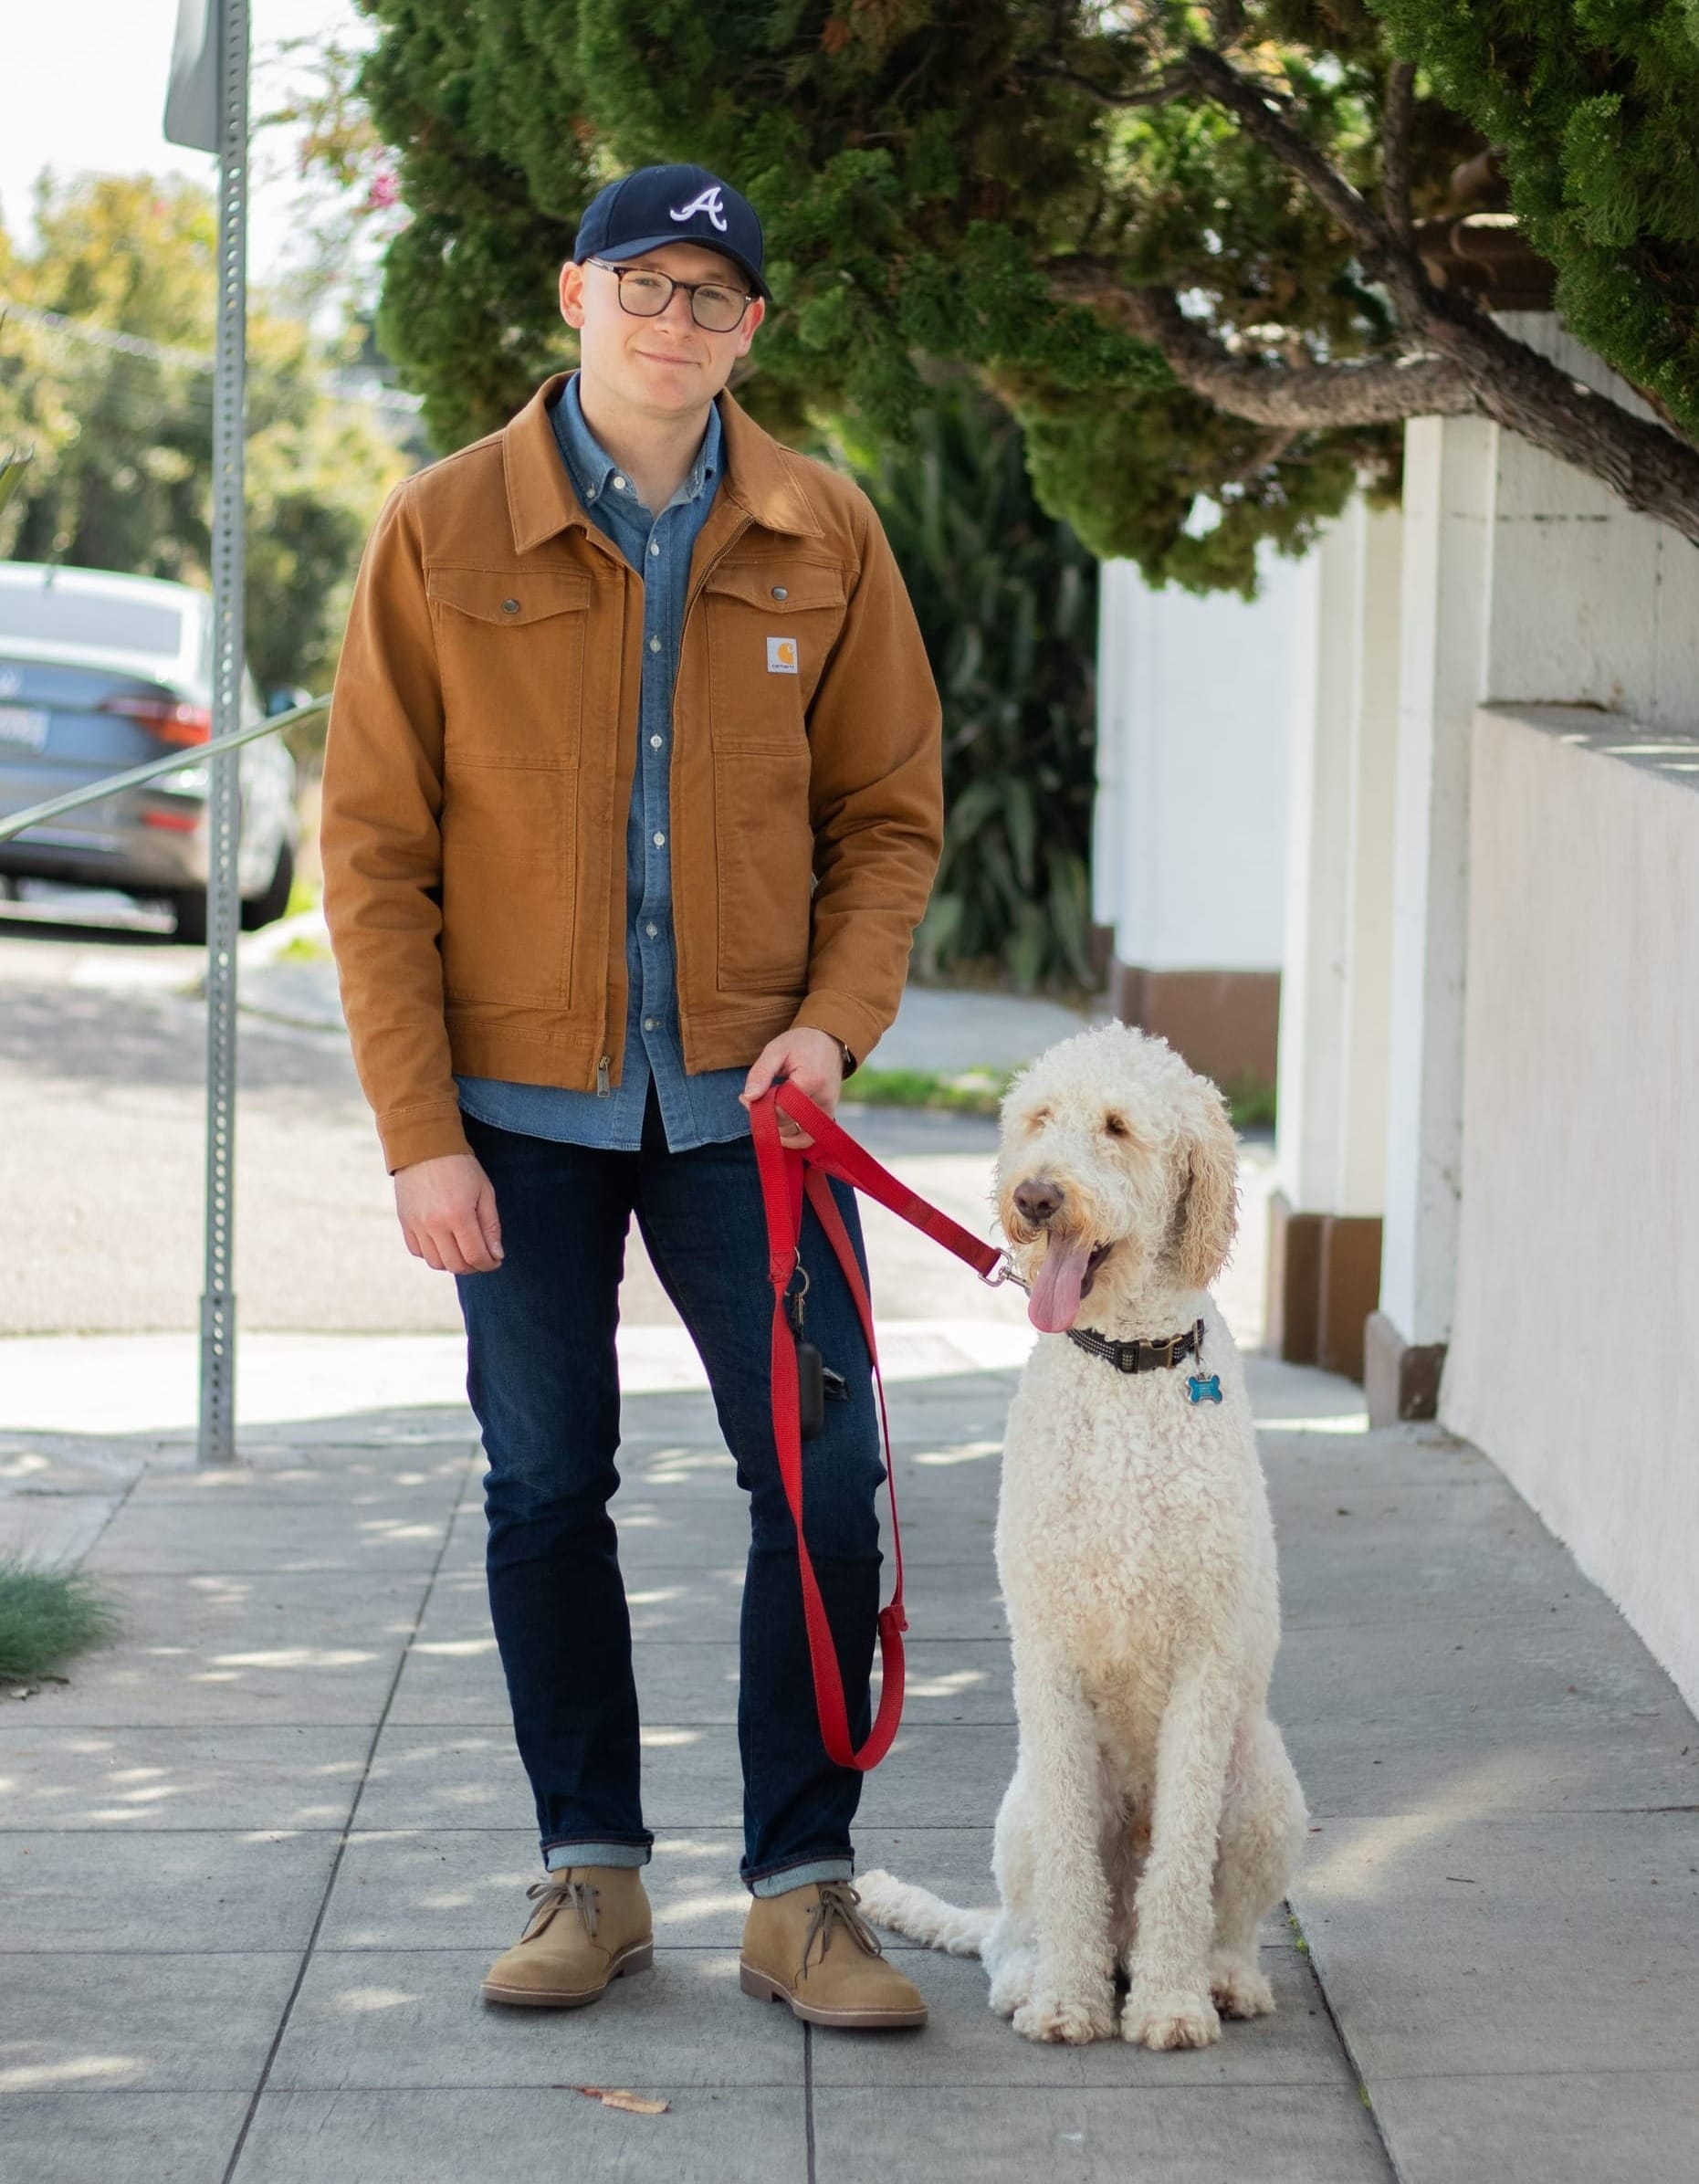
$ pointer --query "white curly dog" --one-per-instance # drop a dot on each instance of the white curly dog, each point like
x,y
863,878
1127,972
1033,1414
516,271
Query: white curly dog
x,y
1154,1816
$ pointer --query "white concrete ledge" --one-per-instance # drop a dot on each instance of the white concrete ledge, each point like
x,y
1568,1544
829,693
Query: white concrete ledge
x,y
1572,1361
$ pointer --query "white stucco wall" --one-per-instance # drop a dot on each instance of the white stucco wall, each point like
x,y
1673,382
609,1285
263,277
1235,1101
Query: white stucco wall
x,y
1335,990
1524,582
1574,1362
1194,701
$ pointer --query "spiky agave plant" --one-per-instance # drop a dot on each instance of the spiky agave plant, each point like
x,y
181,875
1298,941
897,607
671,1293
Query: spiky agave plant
x,y
12,462
1006,599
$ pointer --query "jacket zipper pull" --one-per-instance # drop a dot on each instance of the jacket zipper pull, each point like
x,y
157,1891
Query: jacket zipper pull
x,y
602,1078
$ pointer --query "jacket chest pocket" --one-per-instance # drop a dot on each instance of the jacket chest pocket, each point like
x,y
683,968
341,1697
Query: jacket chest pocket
x,y
510,656
770,628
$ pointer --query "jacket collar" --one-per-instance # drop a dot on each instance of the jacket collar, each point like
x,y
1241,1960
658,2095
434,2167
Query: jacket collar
x,y
541,502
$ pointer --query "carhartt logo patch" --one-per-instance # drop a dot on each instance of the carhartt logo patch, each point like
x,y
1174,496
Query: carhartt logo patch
x,y
782,655
710,202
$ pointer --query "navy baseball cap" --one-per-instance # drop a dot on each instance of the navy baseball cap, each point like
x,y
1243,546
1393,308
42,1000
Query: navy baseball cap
x,y
672,205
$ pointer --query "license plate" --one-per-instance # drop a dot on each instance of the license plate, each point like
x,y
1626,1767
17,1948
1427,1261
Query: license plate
x,y
24,724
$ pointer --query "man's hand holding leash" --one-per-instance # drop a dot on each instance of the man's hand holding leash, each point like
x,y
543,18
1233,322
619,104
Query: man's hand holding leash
x,y
812,1061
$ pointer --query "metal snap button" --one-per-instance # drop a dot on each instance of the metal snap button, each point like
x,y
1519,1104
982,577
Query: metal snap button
x,y
779,592
510,606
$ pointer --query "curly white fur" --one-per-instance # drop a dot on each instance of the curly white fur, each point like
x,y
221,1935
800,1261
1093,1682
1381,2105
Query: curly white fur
x,y
1154,1816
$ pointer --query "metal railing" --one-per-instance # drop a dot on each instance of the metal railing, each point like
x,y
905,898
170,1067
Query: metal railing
x,y
216,1434
174,762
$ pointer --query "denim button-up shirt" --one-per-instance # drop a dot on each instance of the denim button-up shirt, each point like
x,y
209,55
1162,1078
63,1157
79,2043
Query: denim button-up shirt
x,y
702,1109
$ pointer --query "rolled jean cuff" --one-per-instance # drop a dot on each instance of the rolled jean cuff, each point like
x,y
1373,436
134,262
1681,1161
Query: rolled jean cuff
x,y
558,1855
799,1876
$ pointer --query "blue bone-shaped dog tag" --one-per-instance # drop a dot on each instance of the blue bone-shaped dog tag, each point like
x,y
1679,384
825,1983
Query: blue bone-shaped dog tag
x,y
1203,1391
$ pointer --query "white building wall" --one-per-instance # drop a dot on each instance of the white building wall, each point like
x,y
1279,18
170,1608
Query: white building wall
x,y
1360,1163
1339,849
1573,1362
1193,707
1524,582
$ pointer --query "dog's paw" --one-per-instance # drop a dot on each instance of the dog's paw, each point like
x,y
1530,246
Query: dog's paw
x,y
1074,2019
1171,2021
1240,1989
1012,1988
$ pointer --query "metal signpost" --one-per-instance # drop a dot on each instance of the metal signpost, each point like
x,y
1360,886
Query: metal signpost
x,y
207,109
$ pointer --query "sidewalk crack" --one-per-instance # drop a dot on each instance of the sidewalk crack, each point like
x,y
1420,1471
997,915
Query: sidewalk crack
x,y
346,1829
1301,1942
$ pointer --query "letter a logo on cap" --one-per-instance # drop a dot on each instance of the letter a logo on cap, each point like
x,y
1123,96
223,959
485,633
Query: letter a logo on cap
x,y
782,655
708,202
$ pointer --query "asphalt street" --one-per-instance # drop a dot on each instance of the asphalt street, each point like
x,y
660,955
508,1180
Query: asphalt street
x,y
102,1069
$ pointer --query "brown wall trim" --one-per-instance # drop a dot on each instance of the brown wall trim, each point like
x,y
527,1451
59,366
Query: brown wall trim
x,y
1350,1289
1400,1379
1291,1318
1323,1282
1225,1022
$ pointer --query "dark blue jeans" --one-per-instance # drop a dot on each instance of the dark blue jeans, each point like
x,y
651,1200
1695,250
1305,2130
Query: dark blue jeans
x,y
544,1383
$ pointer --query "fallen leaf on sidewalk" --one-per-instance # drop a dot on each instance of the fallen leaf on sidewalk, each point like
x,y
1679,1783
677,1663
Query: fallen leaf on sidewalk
x,y
615,2096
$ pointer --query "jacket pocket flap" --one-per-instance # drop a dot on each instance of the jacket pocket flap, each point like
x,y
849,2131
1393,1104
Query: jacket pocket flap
x,y
778,587
511,597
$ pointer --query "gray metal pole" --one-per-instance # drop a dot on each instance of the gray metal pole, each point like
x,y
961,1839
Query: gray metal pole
x,y
217,1421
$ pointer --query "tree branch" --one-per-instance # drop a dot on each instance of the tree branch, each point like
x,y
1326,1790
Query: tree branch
x,y
1171,84
1395,119
1650,469
1258,113
1287,397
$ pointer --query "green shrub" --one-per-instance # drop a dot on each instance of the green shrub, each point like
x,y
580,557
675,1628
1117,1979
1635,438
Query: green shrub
x,y
46,1614
1006,598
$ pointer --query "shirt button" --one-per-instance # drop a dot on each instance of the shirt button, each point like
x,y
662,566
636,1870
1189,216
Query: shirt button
x,y
655,644
655,742
655,546
651,930
648,1023
619,484
779,592
659,841
510,606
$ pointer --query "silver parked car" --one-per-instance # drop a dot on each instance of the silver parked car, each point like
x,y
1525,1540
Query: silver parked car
x,y
99,673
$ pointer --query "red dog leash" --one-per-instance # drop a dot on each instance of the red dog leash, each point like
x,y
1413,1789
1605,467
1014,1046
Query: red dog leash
x,y
788,1176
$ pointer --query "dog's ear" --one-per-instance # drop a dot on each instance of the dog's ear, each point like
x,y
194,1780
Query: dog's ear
x,y
1209,1207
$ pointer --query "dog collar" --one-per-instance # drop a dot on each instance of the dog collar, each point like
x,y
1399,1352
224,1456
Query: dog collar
x,y
1138,1356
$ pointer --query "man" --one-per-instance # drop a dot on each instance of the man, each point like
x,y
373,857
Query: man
x,y
632,802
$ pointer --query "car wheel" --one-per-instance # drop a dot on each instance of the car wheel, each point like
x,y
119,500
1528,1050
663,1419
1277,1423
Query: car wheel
x,y
189,908
268,907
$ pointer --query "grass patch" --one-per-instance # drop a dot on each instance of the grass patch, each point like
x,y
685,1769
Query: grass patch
x,y
303,896
959,1091
1250,1098
301,950
46,1614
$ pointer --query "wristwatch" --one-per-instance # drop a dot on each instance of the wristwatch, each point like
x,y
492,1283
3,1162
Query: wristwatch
x,y
849,1059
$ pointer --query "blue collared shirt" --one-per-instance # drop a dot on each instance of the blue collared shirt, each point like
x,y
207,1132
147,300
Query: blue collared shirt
x,y
702,1109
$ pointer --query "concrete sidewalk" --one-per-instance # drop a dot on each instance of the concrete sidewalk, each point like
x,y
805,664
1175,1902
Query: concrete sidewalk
x,y
254,1860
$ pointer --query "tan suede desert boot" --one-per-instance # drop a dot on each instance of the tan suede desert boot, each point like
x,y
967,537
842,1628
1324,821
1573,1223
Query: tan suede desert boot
x,y
813,1948
590,1924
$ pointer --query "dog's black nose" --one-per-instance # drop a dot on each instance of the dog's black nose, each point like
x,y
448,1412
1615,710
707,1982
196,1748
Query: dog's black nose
x,y
1038,1201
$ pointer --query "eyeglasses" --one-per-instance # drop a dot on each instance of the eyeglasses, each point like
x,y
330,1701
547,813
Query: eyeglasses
x,y
646,294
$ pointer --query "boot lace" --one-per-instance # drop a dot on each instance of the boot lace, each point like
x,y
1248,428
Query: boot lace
x,y
554,1894
836,1907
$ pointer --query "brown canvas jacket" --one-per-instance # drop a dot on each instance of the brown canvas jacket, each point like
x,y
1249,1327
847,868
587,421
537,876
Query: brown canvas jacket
x,y
478,768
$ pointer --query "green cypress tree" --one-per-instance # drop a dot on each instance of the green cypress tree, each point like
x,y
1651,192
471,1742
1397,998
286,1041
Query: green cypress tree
x,y
1176,242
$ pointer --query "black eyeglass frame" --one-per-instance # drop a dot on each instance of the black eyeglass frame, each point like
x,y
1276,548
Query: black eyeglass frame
x,y
689,286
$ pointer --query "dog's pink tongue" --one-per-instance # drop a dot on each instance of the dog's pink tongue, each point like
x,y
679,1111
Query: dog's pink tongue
x,y
1054,1303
